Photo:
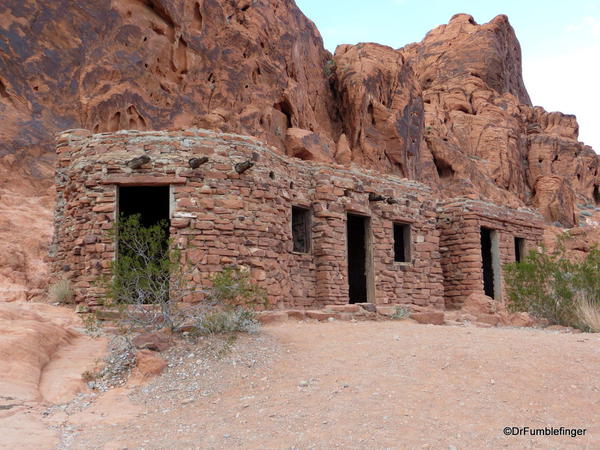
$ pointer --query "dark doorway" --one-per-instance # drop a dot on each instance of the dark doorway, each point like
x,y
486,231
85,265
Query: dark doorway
x,y
142,253
357,229
488,261
150,202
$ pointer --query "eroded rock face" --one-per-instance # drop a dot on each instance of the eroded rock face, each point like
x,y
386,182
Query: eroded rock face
x,y
381,106
248,66
43,356
472,130
451,110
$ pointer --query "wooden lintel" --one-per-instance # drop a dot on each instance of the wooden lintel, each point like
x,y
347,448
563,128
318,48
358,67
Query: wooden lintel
x,y
144,180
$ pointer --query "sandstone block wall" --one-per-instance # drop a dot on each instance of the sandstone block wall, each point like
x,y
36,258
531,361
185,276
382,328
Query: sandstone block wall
x,y
460,223
220,217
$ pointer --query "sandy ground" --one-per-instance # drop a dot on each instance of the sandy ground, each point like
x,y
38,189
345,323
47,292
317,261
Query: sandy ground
x,y
353,385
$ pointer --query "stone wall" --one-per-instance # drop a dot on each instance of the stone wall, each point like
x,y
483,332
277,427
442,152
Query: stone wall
x,y
220,217
460,223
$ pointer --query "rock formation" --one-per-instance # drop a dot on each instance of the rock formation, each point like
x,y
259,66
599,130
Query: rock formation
x,y
451,111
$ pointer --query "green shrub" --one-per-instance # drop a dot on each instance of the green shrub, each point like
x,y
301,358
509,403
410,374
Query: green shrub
x,y
146,279
231,294
548,285
141,273
147,282
233,287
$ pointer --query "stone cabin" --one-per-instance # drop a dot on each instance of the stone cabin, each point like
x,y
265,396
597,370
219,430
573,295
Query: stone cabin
x,y
312,234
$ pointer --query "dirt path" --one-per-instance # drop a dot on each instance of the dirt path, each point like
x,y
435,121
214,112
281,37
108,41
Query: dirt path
x,y
362,385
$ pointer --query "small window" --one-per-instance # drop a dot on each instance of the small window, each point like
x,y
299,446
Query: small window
x,y
519,249
301,229
401,242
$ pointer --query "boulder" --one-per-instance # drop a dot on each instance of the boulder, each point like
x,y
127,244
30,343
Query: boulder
x,y
157,341
307,145
148,364
478,304
428,317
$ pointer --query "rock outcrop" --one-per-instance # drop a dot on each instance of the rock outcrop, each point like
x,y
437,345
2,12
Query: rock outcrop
x,y
43,355
451,111
249,66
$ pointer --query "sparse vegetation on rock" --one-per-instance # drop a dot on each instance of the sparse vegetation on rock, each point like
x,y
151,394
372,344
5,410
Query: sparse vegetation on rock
x,y
234,287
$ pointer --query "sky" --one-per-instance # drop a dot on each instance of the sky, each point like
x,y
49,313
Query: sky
x,y
560,42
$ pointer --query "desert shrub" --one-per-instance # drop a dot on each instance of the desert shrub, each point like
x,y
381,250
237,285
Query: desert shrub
x,y
91,324
146,280
549,285
61,291
220,321
588,313
142,272
233,287
229,298
88,376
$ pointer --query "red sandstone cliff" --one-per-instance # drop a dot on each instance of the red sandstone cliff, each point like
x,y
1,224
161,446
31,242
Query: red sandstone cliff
x,y
451,111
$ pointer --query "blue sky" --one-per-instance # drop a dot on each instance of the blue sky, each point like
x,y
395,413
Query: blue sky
x,y
560,41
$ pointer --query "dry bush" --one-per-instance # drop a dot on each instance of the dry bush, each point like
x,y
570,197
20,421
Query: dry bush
x,y
61,291
588,313
227,321
402,312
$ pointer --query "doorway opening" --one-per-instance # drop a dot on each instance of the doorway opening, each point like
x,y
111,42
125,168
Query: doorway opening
x,y
401,242
150,202
359,269
141,250
490,262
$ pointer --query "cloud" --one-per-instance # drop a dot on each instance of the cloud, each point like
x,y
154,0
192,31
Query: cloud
x,y
587,25
566,81
563,75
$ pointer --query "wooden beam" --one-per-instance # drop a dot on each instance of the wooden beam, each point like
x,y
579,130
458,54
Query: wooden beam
x,y
143,180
